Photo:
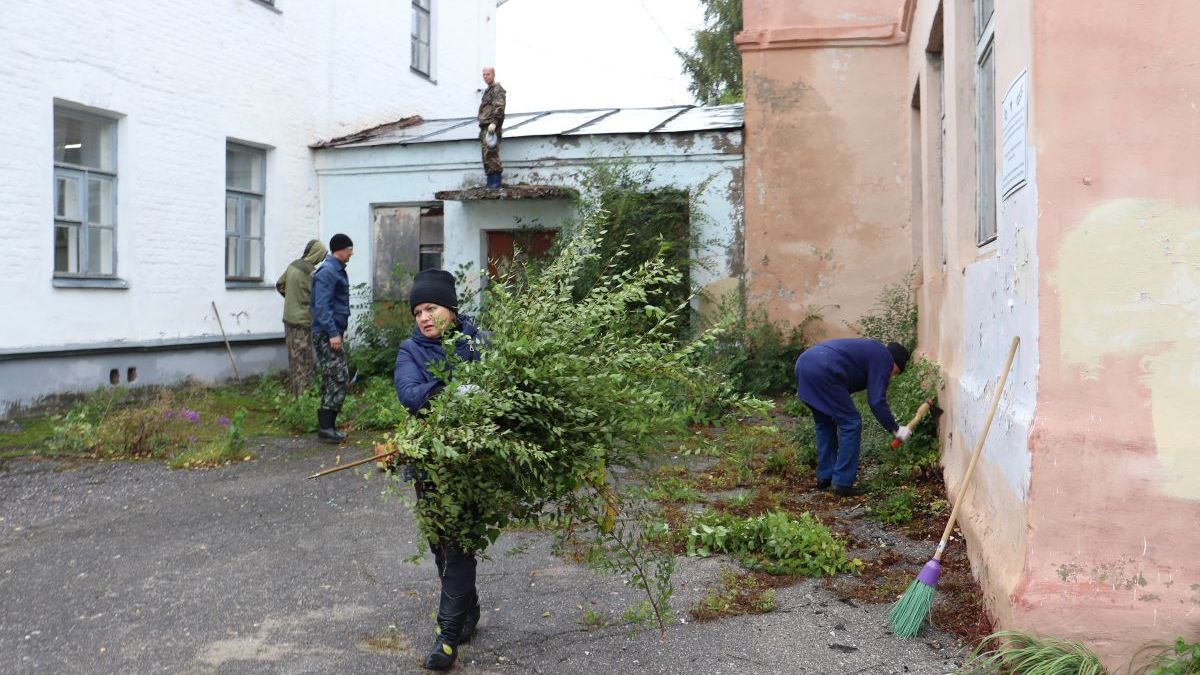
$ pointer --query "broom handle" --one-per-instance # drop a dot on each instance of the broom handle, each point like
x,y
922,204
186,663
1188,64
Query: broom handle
x,y
978,450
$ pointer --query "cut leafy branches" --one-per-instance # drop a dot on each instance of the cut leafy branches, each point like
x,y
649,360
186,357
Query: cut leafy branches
x,y
571,382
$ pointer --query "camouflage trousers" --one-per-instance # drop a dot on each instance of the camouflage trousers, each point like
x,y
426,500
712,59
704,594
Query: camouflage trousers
x,y
491,156
335,372
300,357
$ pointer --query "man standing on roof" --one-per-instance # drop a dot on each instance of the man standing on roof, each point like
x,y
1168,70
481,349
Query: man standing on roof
x,y
826,375
491,125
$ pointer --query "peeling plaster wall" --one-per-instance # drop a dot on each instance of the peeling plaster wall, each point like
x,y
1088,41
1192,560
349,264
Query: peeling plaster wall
x,y
1115,494
827,176
709,164
973,305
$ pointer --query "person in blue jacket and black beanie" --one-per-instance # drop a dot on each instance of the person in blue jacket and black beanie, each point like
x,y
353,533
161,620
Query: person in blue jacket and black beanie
x,y
826,375
330,318
434,303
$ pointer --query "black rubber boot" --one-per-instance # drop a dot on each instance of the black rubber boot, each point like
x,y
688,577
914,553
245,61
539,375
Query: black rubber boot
x,y
454,613
471,621
326,429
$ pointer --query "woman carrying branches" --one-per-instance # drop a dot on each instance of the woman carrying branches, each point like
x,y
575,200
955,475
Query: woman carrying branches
x,y
422,370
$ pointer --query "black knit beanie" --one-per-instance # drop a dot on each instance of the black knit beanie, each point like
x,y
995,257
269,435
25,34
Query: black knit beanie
x,y
436,286
338,242
899,354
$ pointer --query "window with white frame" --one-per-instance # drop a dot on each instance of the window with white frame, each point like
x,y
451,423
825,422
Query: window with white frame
x,y
245,181
85,194
421,14
985,120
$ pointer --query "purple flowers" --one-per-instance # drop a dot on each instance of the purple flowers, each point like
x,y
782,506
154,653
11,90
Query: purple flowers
x,y
189,415
223,421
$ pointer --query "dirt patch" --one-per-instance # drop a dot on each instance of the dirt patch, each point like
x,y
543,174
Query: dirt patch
x,y
893,528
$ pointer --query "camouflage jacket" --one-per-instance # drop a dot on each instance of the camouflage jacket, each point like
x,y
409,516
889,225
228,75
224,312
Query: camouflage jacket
x,y
491,106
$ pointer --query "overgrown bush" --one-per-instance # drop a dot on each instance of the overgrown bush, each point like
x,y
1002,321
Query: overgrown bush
x,y
381,326
373,405
637,223
918,457
758,355
772,542
894,318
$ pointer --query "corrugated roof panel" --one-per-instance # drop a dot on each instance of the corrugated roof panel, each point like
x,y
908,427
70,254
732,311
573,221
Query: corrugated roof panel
x,y
706,119
406,134
468,129
630,121
556,123
553,123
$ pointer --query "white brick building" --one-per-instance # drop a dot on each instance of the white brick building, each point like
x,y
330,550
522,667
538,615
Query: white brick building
x,y
157,161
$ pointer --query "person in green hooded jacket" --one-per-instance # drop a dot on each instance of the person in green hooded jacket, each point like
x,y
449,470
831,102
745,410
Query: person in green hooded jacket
x,y
295,285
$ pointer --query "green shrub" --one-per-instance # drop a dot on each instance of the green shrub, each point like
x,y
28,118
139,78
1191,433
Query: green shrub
x,y
758,355
1016,652
637,222
894,318
296,413
918,457
374,406
381,326
772,542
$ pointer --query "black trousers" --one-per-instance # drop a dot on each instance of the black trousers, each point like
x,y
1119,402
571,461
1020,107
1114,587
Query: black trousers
x,y
456,567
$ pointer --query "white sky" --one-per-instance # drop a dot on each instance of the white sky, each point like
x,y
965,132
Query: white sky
x,y
557,54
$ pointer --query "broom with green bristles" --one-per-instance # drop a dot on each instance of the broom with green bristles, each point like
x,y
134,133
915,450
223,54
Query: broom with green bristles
x,y
909,612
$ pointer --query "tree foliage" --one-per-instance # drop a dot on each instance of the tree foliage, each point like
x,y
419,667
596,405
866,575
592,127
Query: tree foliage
x,y
714,64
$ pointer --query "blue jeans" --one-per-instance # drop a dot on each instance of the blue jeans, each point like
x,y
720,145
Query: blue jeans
x,y
838,441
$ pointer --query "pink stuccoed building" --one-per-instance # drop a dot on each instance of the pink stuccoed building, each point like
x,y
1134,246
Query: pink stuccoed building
x,y
1039,162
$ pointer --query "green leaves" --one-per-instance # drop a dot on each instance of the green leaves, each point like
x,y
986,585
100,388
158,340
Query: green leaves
x,y
772,542
575,377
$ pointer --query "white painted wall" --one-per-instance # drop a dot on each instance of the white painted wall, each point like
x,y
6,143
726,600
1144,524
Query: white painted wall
x,y
352,180
183,78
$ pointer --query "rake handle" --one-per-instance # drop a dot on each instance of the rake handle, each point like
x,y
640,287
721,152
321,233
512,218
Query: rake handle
x,y
1012,353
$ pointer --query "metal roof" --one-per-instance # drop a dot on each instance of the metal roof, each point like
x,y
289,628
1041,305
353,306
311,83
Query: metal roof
x,y
600,121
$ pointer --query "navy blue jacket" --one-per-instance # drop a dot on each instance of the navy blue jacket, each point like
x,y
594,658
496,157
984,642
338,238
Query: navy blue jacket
x,y
414,379
330,302
828,372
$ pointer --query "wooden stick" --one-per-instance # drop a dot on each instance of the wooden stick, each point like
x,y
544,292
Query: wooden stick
x,y
962,493
350,465
225,337
912,424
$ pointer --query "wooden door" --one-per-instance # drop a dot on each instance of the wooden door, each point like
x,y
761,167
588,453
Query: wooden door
x,y
502,245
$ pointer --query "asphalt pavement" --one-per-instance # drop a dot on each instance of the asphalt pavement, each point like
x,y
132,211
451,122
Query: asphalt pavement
x,y
130,567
